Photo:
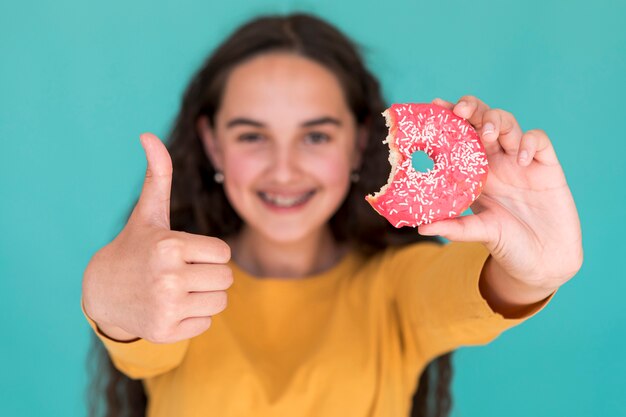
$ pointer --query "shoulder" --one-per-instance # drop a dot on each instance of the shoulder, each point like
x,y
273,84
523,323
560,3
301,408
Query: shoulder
x,y
421,261
425,254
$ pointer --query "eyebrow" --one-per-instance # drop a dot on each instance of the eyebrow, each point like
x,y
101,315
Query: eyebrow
x,y
322,121
242,121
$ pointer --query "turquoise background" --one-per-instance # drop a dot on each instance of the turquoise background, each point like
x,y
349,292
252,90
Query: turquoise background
x,y
79,80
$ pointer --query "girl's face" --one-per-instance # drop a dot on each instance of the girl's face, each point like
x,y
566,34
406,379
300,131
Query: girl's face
x,y
286,142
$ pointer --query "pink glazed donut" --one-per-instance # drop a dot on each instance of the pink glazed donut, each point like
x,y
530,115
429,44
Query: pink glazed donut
x,y
412,198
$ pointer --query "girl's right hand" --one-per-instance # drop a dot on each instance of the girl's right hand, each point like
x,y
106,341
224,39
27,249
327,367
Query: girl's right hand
x,y
151,282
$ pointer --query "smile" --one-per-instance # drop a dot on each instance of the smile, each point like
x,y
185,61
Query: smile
x,y
285,201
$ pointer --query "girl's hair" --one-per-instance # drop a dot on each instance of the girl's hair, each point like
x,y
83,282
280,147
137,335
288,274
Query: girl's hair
x,y
199,205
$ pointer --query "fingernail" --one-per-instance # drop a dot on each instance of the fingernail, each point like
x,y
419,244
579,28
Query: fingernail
x,y
488,128
460,109
523,157
421,231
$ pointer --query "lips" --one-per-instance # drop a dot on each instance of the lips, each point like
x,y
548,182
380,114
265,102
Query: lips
x,y
283,200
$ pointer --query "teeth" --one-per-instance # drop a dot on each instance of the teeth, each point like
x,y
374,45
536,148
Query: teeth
x,y
283,201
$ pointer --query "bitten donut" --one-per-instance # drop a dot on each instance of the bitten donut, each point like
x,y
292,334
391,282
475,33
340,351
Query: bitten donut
x,y
412,198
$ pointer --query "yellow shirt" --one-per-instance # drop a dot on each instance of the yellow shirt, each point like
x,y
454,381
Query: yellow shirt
x,y
351,341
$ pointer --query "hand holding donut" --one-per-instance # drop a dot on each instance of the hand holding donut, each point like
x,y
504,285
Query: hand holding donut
x,y
151,282
526,215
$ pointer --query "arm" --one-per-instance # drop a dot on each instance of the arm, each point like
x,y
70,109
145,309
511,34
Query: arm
x,y
151,288
437,303
525,217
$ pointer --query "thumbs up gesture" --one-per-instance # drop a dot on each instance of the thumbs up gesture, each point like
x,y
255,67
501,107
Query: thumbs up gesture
x,y
151,282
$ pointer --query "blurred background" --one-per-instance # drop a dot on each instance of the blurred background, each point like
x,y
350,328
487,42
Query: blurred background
x,y
81,79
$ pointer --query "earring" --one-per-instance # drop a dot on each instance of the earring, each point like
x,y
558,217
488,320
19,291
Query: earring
x,y
218,177
355,177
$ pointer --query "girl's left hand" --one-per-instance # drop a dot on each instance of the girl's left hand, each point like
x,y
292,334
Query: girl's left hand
x,y
525,216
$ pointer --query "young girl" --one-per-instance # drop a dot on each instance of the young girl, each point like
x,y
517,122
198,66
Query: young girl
x,y
331,311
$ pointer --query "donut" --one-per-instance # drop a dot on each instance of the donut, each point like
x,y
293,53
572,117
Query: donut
x,y
412,198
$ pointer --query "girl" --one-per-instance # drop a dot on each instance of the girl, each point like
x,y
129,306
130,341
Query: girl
x,y
330,311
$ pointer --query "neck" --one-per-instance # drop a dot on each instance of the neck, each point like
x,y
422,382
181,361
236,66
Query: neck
x,y
266,258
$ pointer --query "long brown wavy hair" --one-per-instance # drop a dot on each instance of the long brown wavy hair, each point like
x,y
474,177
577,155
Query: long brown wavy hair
x,y
199,205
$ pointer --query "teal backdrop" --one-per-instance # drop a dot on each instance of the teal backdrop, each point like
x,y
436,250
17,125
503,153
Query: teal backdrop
x,y
80,79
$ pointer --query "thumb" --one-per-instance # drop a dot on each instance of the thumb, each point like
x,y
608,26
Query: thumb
x,y
468,228
154,202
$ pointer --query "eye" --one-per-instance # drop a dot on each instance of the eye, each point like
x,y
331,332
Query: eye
x,y
250,137
316,137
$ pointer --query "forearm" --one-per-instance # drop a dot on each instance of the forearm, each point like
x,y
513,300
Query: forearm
x,y
507,295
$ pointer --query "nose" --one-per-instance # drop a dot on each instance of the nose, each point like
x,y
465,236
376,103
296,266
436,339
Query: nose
x,y
284,164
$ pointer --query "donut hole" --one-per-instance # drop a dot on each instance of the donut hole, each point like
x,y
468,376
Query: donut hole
x,y
421,162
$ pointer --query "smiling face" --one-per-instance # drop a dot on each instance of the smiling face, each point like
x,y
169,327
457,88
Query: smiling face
x,y
286,141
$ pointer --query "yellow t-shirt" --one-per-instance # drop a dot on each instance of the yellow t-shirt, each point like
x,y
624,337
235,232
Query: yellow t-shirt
x,y
351,341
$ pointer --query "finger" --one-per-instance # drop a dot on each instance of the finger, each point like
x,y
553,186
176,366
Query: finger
x,y
192,327
154,202
443,103
202,249
489,132
472,109
489,139
506,129
205,278
536,145
203,304
460,229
